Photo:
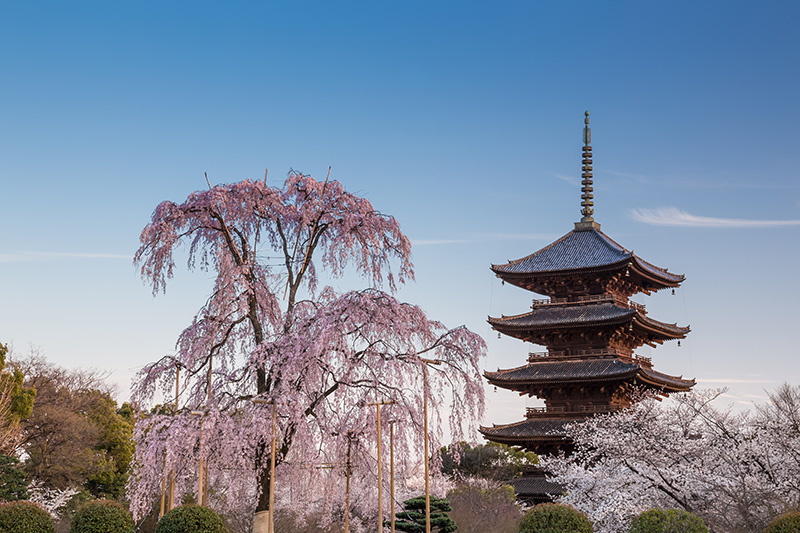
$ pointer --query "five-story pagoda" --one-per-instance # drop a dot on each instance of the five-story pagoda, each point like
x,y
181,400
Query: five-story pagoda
x,y
588,325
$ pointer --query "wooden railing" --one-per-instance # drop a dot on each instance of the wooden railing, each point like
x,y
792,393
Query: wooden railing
x,y
534,412
590,298
557,354
554,354
640,359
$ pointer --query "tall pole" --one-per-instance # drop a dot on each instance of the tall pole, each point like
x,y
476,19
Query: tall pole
x,y
380,461
425,415
163,491
348,473
427,472
380,473
391,470
202,475
270,511
171,490
200,467
347,490
271,526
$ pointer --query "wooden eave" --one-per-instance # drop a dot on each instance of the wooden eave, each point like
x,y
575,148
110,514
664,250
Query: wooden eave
x,y
648,278
649,329
652,378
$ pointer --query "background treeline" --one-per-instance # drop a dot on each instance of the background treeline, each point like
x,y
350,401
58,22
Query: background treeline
x,y
63,438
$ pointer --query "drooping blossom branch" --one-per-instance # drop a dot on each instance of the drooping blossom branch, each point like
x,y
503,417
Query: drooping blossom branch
x,y
268,332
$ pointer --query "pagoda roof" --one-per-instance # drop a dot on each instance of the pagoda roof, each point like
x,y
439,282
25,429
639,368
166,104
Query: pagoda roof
x,y
528,430
580,371
534,486
584,315
583,249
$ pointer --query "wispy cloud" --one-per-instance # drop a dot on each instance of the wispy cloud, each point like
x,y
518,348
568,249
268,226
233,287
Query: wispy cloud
x,y
672,216
15,257
724,381
484,237
433,242
642,178
519,236
572,180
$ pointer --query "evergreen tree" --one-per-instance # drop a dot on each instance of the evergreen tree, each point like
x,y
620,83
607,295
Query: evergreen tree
x,y
412,518
13,485
16,404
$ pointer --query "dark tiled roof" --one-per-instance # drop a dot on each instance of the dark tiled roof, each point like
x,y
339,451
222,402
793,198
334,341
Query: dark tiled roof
x,y
676,331
543,371
529,429
558,316
576,249
671,381
534,486
656,271
583,249
566,315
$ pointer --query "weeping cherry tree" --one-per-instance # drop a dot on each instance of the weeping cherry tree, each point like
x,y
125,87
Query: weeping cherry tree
x,y
271,332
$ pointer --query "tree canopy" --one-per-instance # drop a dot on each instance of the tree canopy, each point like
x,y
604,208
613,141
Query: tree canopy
x,y
75,436
494,461
736,471
412,518
16,404
270,332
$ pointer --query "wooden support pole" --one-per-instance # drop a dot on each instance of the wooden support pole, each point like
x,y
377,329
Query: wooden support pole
x,y
425,430
380,462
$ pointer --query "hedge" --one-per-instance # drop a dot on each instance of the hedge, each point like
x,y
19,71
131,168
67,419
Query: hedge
x,y
785,523
191,519
669,521
554,518
102,516
24,517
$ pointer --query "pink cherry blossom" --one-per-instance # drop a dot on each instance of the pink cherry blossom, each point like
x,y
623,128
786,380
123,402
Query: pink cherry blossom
x,y
269,331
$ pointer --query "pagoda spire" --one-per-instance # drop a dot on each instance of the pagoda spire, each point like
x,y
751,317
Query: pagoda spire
x,y
587,198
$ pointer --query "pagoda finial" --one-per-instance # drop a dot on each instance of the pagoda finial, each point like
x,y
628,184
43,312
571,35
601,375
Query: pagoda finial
x,y
587,198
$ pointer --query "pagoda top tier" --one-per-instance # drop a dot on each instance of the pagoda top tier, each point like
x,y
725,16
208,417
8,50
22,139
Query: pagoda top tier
x,y
586,253
586,261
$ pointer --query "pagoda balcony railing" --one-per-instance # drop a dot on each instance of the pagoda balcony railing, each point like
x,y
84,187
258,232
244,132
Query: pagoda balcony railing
x,y
553,354
638,359
624,302
535,412
557,354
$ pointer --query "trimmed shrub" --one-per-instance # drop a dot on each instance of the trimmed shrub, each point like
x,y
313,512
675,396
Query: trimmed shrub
x,y
24,517
412,518
102,516
669,521
785,523
191,519
554,518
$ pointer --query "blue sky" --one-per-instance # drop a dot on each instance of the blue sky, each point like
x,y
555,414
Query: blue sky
x,y
462,119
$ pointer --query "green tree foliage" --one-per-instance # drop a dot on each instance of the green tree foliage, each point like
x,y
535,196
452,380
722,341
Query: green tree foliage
x,y
412,518
785,523
24,517
76,436
13,485
554,518
114,447
191,519
667,521
102,516
493,461
478,510
16,404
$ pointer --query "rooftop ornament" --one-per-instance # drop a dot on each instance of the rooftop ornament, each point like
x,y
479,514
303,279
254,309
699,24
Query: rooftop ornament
x,y
587,198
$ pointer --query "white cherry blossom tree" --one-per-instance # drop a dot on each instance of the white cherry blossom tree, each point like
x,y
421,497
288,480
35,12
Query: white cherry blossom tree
x,y
735,470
